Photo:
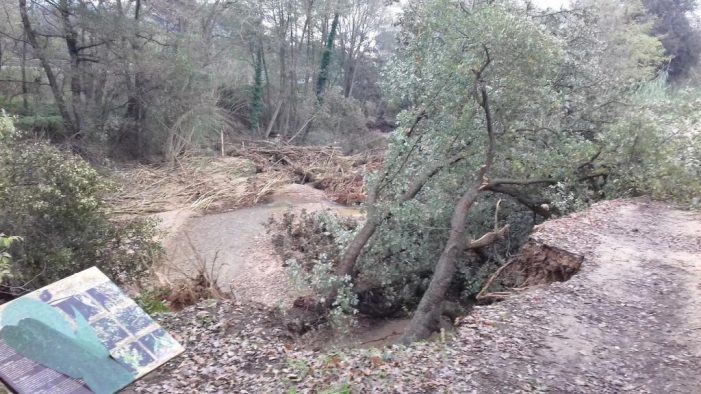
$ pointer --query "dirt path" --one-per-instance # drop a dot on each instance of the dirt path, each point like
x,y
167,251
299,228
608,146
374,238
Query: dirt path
x,y
628,322
636,309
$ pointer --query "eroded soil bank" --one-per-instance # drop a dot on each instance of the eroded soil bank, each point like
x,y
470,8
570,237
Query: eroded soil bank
x,y
629,321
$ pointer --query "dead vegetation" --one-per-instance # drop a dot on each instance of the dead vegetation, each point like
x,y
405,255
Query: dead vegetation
x,y
536,264
199,283
202,184
324,167
246,176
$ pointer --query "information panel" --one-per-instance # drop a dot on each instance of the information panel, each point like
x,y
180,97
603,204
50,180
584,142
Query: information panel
x,y
79,335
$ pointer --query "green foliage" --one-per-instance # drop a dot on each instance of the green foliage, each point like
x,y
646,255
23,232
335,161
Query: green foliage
x,y
53,200
309,243
434,73
344,388
550,92
655,150
256,106
48,125
153,301
340,121
7,126
306,236
632,53
5,256
182,114
675,27
326,60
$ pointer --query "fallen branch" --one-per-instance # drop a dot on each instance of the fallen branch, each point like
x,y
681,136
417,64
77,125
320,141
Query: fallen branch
x,y
521,182
488,238
483,295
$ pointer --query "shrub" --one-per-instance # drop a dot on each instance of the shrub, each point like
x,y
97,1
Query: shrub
x,y
5,256
53,200
305,236
394,271
340,121
153,301
7,126
656,150
310,244
50,126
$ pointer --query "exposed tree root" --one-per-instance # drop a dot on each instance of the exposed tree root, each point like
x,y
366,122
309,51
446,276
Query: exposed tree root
x,y
537,264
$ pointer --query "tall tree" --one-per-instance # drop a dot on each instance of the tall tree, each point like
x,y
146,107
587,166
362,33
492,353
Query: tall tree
x,y
46,65
324,67
681,40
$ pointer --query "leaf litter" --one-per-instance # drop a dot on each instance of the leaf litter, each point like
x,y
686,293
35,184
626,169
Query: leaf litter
x,y
628,322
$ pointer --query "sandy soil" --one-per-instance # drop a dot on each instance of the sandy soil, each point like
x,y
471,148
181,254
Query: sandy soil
x,y
235,247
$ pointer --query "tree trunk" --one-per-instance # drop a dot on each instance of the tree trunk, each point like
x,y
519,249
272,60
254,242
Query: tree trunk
x,y
428,313
326,60
53,83
71,38
135,108
23,66
427,316
355,248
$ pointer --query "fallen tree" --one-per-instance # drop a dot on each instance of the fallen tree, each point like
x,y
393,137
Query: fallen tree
x,y
427,315
527,81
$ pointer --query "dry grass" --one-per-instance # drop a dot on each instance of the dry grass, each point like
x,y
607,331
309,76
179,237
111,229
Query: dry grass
x,y
204,185
200,283
326,168
245,177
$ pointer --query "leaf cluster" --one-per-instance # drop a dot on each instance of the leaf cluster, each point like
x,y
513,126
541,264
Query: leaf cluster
x,y
53,200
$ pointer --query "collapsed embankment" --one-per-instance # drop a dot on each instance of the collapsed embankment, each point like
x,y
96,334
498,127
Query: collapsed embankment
x,y
627,322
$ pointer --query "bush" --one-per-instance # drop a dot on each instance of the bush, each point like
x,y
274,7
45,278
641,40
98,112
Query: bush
x,y
310,244
50,126
655,150
305,237
7,126
340,122
52,199
5,256
153,301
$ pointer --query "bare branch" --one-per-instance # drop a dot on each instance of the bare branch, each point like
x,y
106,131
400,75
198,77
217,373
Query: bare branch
x,y
488,238
537,208
521,182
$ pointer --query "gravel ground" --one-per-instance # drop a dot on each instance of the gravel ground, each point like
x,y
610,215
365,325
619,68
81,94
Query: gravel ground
x,y
629,321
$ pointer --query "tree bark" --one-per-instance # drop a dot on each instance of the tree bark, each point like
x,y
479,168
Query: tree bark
x,y
23,65
427,315
71,38
135,101
53,83
535,207
355,248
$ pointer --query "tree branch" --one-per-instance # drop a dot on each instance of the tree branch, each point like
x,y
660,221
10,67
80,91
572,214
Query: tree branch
x,y
522,182
488,238
419,182
537,208
20,81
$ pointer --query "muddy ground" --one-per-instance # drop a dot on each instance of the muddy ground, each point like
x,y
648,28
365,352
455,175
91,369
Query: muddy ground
x,y
629,321
234,247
